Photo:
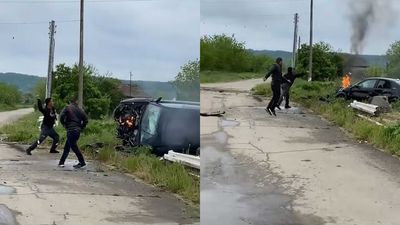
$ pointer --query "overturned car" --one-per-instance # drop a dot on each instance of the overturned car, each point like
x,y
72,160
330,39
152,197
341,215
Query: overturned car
x,y
163,125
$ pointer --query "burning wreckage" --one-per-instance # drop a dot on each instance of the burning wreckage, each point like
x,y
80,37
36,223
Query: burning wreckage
x,y
163,125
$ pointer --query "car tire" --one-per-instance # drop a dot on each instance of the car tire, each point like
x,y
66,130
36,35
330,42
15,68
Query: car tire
x,y
341,95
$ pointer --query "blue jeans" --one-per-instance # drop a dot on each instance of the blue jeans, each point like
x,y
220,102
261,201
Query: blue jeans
x,y
71,143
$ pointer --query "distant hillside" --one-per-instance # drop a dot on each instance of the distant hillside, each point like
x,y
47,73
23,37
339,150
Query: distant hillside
x,y
286,56
379,60
25,83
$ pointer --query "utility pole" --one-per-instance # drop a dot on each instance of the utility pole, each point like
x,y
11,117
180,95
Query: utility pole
x,y
52,28
311,40
298,49
296,20
130,84
299,44
80,86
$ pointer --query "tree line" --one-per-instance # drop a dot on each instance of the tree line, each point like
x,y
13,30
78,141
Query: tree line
x,y
101,94
225,53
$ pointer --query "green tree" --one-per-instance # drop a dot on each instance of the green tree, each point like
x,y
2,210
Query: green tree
x,y
225,53
9,95
187,82
376,71
222,53
39,90
327,64
100,93
393,56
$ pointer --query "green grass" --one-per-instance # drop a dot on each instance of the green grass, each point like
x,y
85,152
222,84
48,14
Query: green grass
x,y
5,107
169,176
220,76
335,110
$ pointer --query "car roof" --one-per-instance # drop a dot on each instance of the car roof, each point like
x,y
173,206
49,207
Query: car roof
x,y
132,100
178,104
383,78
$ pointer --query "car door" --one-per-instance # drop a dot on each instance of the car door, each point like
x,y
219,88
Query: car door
x,y
363,90
384,88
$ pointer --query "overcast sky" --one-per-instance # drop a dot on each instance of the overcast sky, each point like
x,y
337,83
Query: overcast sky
x,y
151,38
268,24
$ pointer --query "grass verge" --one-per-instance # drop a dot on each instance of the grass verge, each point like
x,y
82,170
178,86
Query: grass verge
x,y
5,107
319,97
169,176
220,76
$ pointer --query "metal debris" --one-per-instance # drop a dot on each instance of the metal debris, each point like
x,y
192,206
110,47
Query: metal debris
x,y
187,160
217,113
364,107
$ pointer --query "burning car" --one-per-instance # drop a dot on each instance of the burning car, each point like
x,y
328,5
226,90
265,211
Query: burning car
x,y
371,87
163,125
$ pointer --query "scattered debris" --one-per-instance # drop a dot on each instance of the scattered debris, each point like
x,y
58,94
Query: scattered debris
x,y
369,119
217,113
94,147
306,160
382,102
3,137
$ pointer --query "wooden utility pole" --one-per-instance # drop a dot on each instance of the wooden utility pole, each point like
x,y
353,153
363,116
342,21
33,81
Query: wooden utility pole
x,y
80,86
130,84
298,48
51,59
296,20
299,44
311,41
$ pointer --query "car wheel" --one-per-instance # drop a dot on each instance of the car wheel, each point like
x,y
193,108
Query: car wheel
x,y
341,95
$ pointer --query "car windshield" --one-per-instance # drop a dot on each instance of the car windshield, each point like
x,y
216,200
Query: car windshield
x,y
149,122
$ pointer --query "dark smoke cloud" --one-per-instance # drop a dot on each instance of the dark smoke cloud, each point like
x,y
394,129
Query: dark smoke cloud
x,y
364,16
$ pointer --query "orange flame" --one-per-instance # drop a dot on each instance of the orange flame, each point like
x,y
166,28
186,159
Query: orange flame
x,y
346,81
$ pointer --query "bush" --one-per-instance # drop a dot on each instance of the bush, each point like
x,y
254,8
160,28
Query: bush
x,y
9,95
224,53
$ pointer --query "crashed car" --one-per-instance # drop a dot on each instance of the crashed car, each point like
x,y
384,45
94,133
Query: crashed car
x,y
163,125
368,88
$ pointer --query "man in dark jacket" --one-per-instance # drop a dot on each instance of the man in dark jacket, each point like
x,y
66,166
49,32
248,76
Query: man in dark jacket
x,y
288,80
47,127
74,119
276,74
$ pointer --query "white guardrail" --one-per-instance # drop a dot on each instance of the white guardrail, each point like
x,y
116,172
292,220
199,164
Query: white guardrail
x,y
368,108
187,160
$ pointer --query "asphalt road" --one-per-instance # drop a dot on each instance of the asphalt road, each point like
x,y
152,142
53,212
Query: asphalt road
x,y
293,169
34,191
11,116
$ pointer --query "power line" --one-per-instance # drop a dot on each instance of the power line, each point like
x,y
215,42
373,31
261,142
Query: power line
x,y
72,1
38,22
254,1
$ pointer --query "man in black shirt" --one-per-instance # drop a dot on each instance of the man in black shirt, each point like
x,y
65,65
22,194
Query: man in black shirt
x,y
74,119
276,74
47,127
288,80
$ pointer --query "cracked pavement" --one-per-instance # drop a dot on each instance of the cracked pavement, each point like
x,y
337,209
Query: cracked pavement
x,y
34,191
293,169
